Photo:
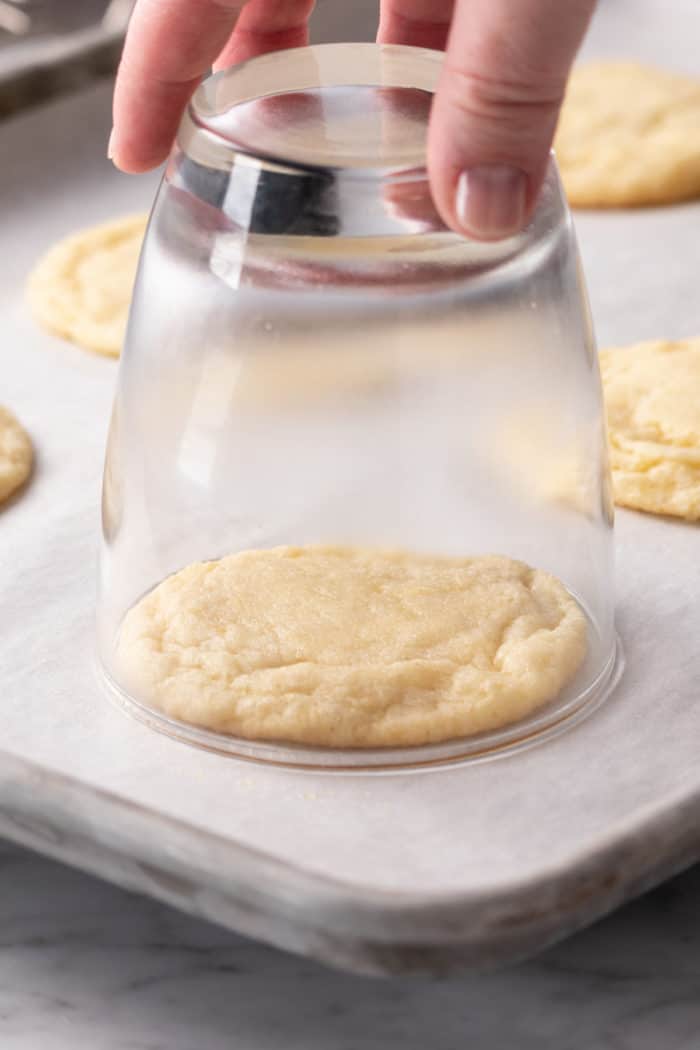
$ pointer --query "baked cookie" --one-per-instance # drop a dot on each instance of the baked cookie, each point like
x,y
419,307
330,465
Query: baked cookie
x,y
352,647
15,454
652,396
629,135
81,289
547,460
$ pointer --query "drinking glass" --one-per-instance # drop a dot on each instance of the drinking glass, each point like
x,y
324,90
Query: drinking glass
x,y
313,357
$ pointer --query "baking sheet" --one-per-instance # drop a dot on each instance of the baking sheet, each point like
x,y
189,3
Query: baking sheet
x,y
475,864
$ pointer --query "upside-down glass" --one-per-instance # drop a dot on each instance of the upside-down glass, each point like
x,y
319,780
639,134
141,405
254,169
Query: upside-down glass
x,y
312,357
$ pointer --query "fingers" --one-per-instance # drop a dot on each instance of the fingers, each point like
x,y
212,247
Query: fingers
x,y
496,109
264,26
494,114
169,46
420,23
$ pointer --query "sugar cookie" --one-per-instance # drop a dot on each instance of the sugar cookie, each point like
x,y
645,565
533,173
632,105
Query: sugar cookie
x,y
15,454
352,647
652,396
629,135
81,289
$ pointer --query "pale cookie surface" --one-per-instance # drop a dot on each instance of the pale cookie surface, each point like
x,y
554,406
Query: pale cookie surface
x,y
542,456
352,647
15,454
81,289
629,135
652,397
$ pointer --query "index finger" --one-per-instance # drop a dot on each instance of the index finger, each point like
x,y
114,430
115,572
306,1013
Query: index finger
x,y
169,46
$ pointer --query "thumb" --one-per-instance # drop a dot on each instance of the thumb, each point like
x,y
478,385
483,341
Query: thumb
x,y
496,109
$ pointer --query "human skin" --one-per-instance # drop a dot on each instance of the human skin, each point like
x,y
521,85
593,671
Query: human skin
x,y
495,111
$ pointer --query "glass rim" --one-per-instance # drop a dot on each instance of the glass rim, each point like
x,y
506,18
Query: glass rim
x,y
317,66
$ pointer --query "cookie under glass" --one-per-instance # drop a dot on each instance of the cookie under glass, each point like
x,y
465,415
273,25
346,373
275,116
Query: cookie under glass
x,y
313,358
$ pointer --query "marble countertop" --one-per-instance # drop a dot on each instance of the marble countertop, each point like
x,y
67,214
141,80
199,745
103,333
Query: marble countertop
x,y
85,966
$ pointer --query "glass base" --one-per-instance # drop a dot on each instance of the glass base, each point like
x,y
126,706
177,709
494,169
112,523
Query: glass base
x,y
563,713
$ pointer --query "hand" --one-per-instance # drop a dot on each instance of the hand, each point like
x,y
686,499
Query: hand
x,y
494,115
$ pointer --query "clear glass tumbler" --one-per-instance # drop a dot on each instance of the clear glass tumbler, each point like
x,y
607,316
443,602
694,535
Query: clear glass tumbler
x,y
313,358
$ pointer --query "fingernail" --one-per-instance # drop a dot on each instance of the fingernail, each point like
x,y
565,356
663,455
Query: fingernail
x,y
490,201
110,145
